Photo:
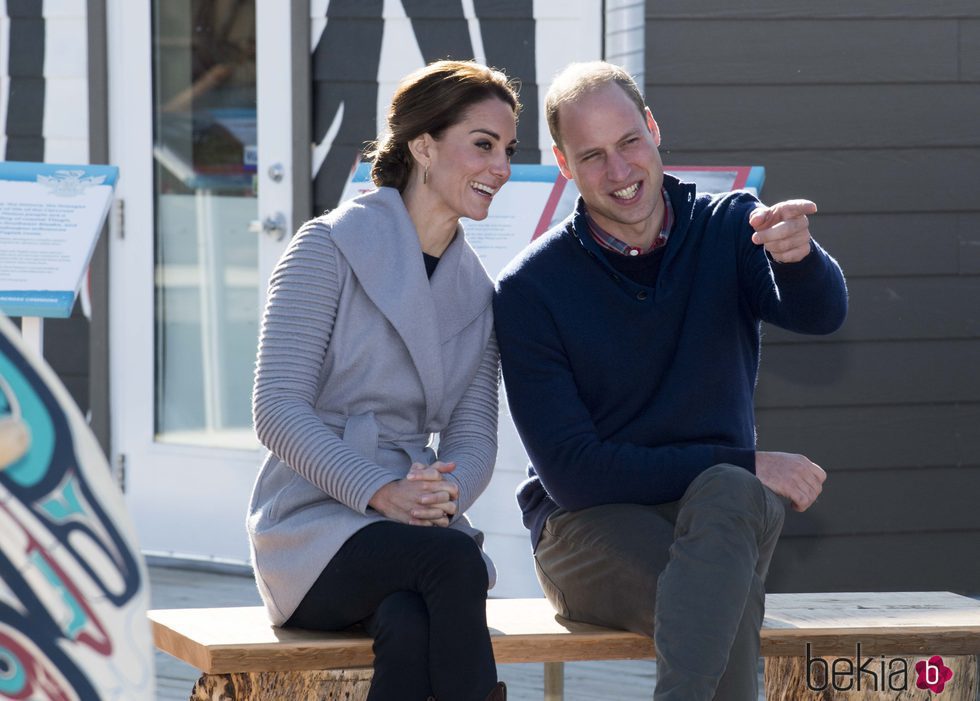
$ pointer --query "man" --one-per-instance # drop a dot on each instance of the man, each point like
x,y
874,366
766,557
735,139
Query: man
x,y
629,339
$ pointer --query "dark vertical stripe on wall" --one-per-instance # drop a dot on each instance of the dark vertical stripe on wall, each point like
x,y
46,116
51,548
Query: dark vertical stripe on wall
x,y
26,46
345,72
440,28
23,8
98,150
507,29
24,148
302,113
25,107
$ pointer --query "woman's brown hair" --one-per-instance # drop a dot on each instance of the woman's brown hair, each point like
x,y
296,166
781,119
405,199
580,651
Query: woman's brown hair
x,y
429,101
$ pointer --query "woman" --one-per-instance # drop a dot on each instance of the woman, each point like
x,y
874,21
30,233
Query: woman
x,y
377,334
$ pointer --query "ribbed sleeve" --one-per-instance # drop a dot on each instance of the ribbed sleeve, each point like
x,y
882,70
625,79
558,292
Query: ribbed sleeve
x,y
296,328
470,439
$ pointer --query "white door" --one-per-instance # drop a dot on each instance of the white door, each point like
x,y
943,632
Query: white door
x,y
201,129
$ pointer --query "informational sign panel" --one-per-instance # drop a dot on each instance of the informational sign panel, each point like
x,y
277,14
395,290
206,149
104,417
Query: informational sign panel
x,y
50,219
537,197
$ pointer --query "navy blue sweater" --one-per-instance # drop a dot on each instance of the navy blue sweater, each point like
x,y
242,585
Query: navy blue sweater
x,y
625,393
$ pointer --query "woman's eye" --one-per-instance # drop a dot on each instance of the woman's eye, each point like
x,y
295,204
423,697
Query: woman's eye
x,y
511,151
485,145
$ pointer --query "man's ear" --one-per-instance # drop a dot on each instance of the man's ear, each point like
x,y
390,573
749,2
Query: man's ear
x,y
653,126
562,163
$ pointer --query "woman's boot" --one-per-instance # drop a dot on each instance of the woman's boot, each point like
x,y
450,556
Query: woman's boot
x,y
499,693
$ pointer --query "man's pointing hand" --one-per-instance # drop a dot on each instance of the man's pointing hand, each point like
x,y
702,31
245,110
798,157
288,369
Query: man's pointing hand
x,y
783,229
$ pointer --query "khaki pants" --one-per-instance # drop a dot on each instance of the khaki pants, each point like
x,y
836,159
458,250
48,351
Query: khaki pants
x,y
689,573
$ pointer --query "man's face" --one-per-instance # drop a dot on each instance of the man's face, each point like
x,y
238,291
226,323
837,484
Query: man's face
x,y
610,150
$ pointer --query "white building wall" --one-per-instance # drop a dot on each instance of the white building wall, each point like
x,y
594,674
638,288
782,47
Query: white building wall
x,y
66,127
568,30
624,36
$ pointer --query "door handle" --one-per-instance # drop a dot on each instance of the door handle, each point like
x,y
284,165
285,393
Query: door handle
x,y
273,225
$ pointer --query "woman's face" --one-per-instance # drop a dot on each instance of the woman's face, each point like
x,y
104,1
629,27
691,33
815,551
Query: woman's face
x,y
471,160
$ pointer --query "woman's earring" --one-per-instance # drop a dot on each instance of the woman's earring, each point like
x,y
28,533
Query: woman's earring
x,y
425,175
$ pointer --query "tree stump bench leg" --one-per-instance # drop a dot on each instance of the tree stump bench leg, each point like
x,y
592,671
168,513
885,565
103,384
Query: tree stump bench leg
x,y
789,679
342,685
331,685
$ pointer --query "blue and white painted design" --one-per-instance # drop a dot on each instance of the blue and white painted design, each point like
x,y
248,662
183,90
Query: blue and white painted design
x,y
73,593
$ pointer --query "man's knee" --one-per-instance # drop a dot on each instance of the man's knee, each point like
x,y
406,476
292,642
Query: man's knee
x,y
727,485
732,490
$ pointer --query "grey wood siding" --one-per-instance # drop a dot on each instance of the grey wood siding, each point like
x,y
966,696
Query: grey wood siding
x,y
869,108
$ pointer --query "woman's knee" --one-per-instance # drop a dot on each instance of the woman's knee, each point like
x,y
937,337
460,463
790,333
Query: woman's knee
x,y
457,555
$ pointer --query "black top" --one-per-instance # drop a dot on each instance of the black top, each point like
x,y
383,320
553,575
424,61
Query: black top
x,y
430,264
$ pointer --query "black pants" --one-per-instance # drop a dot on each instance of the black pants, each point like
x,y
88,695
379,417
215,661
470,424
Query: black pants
x,y
421,593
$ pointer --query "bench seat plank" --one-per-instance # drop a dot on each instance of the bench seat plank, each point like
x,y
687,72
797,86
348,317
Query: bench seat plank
x,y
241,639
885,623
526,630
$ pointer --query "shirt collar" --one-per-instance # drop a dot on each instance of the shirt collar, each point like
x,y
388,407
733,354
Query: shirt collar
x,y
611,243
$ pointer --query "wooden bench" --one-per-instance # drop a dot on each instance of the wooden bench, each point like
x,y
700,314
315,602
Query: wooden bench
x,y
805,640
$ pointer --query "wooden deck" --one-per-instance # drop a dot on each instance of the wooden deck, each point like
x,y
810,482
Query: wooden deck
x,y
184,588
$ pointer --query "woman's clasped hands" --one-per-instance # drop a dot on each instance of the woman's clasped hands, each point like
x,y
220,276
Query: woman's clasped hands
x,y
423,498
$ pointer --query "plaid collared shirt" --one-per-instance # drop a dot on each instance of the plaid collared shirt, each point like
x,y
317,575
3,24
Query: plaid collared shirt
x,y
610,242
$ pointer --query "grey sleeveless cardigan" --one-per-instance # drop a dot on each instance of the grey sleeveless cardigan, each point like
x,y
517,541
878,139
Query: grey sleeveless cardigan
x,y
361,359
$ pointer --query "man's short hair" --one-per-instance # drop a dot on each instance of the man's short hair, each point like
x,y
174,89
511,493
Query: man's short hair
x,y
578,79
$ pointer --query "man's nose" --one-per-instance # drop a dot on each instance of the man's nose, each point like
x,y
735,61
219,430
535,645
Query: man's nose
x,y
617,168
